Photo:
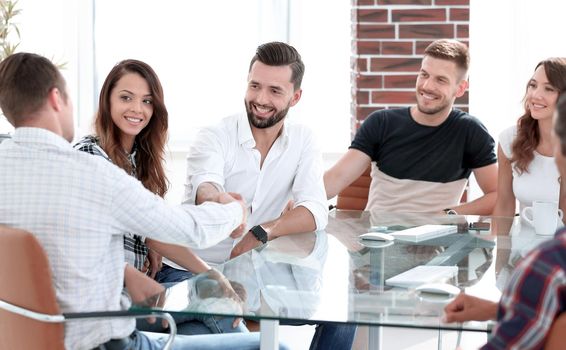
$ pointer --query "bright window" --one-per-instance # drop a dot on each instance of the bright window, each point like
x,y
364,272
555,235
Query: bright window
x,y
201,52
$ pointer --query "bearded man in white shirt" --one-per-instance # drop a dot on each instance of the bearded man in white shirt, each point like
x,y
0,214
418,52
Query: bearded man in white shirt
x,y
275,165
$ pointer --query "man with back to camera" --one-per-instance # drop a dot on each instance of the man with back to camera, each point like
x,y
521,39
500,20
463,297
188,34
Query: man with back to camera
x,y
423,155
267,160
79,208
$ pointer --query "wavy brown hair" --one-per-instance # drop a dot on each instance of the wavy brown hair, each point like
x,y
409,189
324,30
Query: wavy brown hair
x,y
560,122
528,134
150,142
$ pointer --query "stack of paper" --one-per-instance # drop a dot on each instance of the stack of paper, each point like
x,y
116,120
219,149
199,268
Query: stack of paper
x,y
422,274
424,232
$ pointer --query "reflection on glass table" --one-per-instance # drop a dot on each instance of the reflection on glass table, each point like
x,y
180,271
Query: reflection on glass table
x,y
335,276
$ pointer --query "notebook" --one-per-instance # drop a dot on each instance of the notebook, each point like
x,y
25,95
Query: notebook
x,y
424,232
422,274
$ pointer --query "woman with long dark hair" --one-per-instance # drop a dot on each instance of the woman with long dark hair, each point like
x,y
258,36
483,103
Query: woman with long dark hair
x,y
525,155
131,131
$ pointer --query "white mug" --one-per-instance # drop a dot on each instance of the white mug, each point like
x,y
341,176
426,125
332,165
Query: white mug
x,y
543,216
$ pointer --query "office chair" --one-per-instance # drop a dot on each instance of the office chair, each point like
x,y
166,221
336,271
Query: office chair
x,y
4,137
556,337
29,313
355,196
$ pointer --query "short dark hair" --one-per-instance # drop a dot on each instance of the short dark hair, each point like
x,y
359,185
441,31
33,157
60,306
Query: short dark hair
x,y
26,79
280,54
450,50
560,122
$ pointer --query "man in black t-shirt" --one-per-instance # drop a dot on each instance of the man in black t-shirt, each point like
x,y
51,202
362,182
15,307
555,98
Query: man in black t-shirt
x,y
422,155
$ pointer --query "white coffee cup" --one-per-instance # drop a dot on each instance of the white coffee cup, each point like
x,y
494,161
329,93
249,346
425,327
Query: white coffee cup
x,y
544,216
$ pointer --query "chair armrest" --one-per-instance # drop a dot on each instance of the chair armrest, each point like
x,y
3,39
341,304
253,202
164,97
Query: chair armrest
x,y
77,316
129,314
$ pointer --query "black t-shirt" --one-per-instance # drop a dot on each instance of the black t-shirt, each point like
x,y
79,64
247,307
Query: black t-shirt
x,y
404,149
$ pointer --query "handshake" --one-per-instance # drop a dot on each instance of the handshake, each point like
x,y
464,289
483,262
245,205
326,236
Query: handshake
x,y
229,197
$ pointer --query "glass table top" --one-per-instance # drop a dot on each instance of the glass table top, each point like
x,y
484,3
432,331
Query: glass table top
x,y
334,276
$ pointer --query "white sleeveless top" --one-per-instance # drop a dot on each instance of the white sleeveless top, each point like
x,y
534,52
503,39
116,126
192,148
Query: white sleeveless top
x,y
540,182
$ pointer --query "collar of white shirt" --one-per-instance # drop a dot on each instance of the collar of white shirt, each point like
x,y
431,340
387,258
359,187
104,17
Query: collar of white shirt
x,y
245,136
40,136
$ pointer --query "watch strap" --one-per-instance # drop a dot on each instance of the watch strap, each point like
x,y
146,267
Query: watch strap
x,y
449,211
259,233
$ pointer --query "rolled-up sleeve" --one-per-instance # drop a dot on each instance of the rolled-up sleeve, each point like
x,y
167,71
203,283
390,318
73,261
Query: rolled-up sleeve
x,y
205,163
308,187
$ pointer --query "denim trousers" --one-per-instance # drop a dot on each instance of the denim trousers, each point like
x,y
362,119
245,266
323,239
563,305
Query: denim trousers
x,y
155,341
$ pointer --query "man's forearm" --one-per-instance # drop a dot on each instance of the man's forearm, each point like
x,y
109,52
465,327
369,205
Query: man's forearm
x,y
206,192
297,220
481,206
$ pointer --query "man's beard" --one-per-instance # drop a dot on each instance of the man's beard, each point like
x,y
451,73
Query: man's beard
x,y
262,123
431,110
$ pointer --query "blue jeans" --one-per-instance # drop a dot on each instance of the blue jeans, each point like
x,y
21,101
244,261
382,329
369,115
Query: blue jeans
x,y
155,341
333,336
326,336
169,274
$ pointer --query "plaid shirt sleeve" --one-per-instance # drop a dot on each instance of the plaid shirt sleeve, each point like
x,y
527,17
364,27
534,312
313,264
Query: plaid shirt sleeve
x,y
89,144
535,296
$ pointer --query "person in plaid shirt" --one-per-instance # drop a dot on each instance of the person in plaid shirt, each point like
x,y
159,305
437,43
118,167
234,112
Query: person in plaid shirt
x,y
131,131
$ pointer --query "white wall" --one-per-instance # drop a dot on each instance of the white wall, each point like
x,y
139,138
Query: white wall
x,y
507,39
320,29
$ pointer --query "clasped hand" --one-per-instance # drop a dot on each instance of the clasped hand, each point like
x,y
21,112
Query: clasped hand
x,y
229,197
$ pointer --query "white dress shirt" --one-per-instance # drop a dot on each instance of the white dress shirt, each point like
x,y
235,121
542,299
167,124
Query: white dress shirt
x,y
79,207
225,155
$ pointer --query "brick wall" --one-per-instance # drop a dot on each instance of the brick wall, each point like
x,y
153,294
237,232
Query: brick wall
x,y
388,39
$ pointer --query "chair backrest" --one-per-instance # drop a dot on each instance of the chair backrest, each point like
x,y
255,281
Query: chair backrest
x,y
355,196
556,338
25,277
4,137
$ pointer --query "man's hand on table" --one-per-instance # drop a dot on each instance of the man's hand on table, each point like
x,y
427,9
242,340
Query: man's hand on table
x,y
468,308
248,242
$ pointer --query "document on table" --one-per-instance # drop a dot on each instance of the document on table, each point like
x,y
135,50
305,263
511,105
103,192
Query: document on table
x,y
424,232
422,274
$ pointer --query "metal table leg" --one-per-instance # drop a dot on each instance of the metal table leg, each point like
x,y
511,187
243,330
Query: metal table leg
x,y
269,334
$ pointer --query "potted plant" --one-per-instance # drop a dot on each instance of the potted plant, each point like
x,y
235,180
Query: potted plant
x,y
8,27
